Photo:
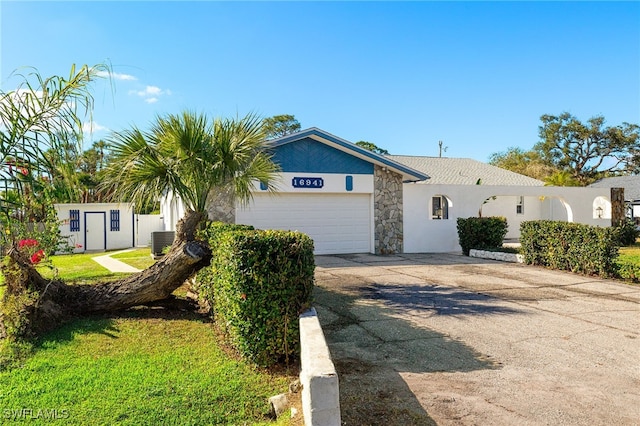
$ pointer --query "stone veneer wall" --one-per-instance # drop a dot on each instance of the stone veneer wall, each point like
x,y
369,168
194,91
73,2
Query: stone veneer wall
x,y
618,212
387,205
222,207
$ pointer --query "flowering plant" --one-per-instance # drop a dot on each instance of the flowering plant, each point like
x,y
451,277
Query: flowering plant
x,y
30,246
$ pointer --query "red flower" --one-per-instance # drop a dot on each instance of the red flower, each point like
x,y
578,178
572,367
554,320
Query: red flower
x,y
27,243
243,296
37,257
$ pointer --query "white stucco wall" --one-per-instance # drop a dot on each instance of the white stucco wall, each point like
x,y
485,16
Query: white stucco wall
x,y
506,206
172,210
425,235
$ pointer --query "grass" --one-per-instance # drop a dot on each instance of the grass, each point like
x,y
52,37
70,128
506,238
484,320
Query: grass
x,y
630,254
629,263
82,269
78,269
138,258
141,367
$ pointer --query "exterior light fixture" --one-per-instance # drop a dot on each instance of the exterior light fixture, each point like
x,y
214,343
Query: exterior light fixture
x,y
599,211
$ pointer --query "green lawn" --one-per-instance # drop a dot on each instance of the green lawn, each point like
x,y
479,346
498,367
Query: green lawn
x,y
138,258
81,268
630,254
142,367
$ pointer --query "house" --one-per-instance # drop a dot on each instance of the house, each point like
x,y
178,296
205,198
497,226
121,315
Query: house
x,y
348,199
351,200
463,187
631,186
105,226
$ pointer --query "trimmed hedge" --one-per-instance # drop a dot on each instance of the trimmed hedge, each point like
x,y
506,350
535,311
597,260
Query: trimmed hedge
x,y
258,284
481,233
203,284
628,233
215,229
572,247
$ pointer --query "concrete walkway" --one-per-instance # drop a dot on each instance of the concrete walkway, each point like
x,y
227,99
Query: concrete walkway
x,y
451,340
114,265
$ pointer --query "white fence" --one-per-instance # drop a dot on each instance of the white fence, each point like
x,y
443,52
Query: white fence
x,y
145,224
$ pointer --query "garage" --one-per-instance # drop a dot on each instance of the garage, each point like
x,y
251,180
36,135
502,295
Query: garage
x,y
346,198
337,223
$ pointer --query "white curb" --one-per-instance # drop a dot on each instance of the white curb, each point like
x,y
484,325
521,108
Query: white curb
x,y
318,376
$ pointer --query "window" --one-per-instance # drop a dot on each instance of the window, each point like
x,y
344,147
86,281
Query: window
x,y
115,220
74,220
520,205
439,207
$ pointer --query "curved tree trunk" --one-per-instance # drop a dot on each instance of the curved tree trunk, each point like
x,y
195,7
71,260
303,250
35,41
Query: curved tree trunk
x,y
58,300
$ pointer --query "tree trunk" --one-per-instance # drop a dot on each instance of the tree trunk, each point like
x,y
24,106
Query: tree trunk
x,y
58,301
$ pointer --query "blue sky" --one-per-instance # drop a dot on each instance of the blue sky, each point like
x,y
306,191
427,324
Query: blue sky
x,y
403,75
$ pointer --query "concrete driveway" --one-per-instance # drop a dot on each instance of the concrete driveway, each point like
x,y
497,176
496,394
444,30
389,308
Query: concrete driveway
x,y
451,340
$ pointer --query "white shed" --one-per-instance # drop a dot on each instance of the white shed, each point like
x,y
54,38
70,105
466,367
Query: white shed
x,y
97,226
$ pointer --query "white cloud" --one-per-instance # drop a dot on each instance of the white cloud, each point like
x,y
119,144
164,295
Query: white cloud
x,y
92,127
153,90
116,76
151,94
148,91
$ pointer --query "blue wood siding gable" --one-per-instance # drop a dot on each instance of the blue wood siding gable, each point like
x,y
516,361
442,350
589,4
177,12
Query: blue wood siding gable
x,y
309,156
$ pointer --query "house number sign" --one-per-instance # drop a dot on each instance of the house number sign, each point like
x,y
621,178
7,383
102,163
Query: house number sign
x,y
307,182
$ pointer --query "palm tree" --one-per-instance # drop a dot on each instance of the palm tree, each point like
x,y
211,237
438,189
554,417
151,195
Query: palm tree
x,y
188,155
561,178
40,125
191,157
100,147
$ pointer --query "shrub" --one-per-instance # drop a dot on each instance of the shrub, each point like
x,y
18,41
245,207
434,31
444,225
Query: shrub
x,y
214,229
567,246
629,271
17,307
627,232
203,284
258,284
481,233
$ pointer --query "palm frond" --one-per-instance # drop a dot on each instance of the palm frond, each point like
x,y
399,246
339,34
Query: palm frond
x,y
190,156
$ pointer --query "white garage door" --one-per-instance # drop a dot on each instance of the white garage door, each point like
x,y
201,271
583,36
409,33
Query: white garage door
x,y
338,223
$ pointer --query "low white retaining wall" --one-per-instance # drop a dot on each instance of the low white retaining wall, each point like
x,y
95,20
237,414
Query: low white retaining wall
x,y
318,376
497,255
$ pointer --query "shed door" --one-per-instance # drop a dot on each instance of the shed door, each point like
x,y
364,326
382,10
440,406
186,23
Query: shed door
x,y
338,223
95,231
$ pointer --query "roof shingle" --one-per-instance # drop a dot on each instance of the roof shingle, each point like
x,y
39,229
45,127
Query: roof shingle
x,y
463,171
631,185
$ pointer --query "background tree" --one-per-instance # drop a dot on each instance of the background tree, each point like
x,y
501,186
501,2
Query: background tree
x,y
588,150
90,172
571,153
280,125
528,163
40,130
561,178
372,147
